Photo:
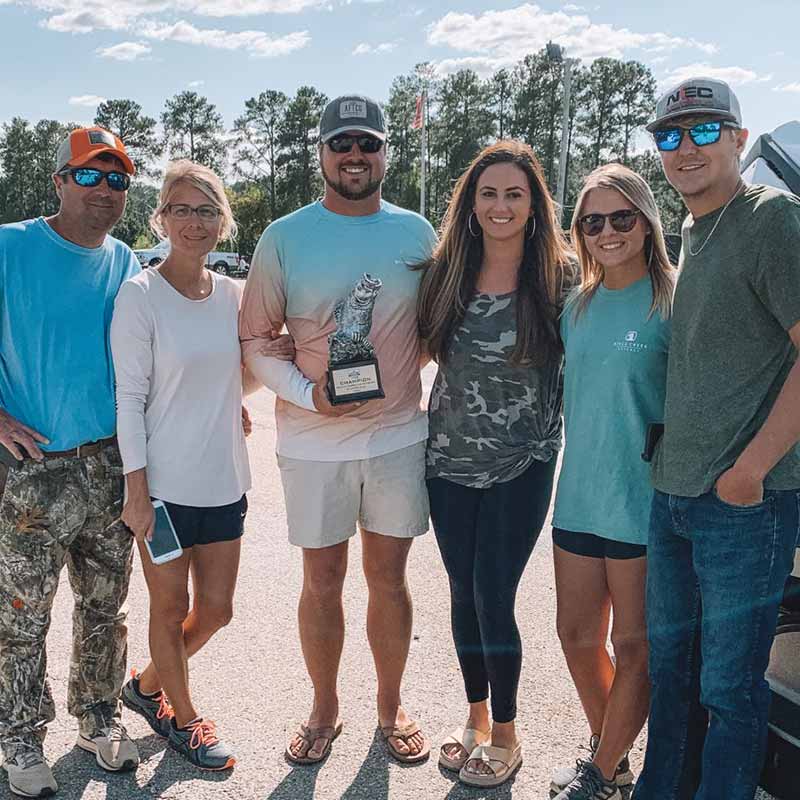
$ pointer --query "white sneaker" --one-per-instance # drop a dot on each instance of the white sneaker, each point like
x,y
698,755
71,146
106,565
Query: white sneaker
x,y
28,772
562,778
102,733
589,784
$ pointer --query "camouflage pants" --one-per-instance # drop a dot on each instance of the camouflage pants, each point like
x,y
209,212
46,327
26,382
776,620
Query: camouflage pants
x,y
62,510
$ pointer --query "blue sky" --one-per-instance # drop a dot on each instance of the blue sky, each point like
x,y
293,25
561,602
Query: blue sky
x,y
58,57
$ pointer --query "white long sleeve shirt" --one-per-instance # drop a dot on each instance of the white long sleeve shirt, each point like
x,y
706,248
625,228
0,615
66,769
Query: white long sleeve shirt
x,y
179,390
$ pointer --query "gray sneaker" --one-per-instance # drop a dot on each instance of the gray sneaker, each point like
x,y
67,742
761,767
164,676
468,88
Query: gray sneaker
x,y
28,772
101,732
198,743
156,710
589,784
623,777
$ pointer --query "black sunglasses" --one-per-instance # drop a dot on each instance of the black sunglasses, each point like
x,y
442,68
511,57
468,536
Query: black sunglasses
x,y
622,221
343,143
88,177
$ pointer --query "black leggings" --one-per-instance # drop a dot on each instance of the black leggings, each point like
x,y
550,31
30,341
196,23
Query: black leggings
x,y
486,537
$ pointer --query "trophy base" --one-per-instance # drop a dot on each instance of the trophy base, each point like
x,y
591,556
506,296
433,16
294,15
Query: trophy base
x,y
351,383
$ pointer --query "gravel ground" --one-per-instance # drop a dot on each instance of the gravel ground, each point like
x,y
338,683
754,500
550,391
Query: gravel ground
x,y
251,680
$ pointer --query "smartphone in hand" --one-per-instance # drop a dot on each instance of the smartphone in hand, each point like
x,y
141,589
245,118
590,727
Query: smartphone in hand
x,y
655,430
164,546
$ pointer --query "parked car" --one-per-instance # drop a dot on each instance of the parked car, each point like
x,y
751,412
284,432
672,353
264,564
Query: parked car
x,y
774,160
220,261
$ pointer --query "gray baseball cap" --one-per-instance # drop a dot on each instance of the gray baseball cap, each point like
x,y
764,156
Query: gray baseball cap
x,y
697,96
352,112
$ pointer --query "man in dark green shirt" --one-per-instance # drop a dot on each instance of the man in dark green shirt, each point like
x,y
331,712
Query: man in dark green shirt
x,y
724,522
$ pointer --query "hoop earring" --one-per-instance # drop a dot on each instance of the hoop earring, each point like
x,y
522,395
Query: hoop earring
x,y
533,229
469,225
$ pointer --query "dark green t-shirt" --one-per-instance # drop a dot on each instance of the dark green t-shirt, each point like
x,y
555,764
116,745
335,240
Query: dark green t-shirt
x,y
730,352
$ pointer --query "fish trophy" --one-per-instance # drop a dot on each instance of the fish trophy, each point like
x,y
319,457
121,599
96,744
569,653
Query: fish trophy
x,y
353,372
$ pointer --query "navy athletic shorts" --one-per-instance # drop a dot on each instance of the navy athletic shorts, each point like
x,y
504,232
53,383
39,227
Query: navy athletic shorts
x,y
199,525
593,546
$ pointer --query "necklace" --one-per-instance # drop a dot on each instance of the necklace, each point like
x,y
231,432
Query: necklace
x,y
738,191
187,291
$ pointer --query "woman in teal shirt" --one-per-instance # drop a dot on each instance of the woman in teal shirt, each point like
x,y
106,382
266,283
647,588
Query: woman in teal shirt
x,y
615,330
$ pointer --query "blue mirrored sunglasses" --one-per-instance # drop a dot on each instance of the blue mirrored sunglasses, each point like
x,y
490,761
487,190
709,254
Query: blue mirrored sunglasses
x,y
702,134
88,177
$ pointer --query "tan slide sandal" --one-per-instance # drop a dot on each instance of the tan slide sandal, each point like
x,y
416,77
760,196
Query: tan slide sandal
x,y
467,739
502,762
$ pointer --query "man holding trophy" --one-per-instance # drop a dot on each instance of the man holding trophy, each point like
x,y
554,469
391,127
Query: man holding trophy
x,y
351,433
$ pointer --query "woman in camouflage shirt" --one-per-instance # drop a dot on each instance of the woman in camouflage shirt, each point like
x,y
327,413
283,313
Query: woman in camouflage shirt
x,y
488,312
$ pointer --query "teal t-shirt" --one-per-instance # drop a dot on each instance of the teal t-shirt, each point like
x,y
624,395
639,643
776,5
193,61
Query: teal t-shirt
x,y
614,385
56,302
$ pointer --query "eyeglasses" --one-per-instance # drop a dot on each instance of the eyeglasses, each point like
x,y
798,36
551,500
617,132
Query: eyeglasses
x,y
622,221
702,134
343,143
88,177
207,213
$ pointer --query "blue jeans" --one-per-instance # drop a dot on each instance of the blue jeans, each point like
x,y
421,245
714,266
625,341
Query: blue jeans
x,y
715,576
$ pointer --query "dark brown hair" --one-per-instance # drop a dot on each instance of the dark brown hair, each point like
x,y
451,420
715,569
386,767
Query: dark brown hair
x,y
451,274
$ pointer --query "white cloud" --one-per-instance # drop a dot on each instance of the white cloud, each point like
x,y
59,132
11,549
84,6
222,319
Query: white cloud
x,y
243,8
365,49
81,16
257,43
571,7
787,87
195,84
484,66
88,100
736,76
125,51
518,31
86,21
141,17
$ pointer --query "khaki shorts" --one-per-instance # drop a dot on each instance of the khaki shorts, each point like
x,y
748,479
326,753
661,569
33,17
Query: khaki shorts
x,y
385,494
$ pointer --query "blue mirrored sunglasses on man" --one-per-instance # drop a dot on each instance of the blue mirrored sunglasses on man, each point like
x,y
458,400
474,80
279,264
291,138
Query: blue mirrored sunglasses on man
x,y
88,178
702,134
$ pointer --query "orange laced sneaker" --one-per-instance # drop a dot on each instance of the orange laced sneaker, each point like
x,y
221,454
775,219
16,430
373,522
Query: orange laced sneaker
x,y
155,709
199,744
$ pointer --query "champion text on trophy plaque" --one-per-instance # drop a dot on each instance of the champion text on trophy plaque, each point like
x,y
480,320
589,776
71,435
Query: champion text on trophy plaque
x,y
353,372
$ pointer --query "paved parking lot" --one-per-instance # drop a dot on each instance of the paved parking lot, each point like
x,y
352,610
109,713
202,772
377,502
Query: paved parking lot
x,y
251,680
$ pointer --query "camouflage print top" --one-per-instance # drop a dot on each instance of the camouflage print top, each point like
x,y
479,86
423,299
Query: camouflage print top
x,y
489,420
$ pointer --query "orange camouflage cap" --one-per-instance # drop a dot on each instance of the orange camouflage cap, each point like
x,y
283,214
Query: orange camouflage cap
x,y
84,144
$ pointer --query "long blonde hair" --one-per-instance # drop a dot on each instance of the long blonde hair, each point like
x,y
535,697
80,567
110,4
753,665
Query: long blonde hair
x,y
451,274
634,188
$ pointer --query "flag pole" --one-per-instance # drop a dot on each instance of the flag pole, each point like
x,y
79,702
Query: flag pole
x,y
423,149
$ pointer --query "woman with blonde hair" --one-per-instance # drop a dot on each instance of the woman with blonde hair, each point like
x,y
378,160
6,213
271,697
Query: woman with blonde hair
x,y
181,429
615,330
488,309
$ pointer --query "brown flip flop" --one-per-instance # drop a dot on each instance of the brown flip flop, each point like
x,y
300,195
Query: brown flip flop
x,y
404,734
310,735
